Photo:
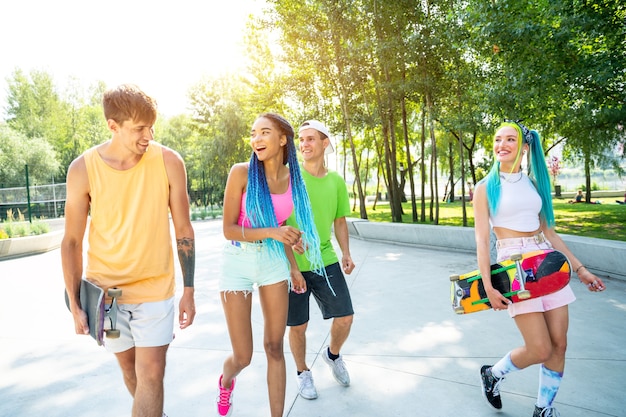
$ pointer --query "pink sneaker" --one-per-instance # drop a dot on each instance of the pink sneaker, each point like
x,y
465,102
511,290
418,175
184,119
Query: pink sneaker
x,y
225,399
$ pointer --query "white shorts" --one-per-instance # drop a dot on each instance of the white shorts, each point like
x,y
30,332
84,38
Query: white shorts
x,y
143,325
248,264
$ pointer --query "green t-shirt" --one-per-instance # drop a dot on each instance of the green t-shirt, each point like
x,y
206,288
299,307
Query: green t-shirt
x,y
329,201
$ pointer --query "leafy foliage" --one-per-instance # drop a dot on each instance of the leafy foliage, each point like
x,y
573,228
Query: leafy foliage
x,y
417,84
16,151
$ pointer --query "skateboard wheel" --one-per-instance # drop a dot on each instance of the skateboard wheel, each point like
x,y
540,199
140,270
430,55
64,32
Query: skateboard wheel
x,y
516,257
114,292
113,334
523,295
459,310
454,278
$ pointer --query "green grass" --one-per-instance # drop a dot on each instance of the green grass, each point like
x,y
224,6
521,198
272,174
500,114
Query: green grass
x,y
604,221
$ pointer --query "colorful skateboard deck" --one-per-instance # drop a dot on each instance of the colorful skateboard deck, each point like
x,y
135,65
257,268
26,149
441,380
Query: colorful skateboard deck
x,y
92,302
543,272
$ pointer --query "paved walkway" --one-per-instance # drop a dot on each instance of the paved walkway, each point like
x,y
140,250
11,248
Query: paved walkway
x,y
408,354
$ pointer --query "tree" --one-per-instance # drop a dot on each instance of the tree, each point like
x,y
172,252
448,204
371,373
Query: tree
x,y
70,124
220,123
34,107
87,126
321,45
560,65
16,151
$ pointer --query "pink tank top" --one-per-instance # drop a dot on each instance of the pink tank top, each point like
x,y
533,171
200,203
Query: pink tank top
x,y
283,206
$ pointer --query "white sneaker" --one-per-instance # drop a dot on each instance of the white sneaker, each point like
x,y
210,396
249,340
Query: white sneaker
x,y
306,388
338,367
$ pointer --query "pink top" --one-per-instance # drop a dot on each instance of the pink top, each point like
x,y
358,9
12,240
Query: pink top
x,y
283,206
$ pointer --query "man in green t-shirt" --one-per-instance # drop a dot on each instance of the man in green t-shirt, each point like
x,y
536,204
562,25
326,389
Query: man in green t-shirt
x,y
330,204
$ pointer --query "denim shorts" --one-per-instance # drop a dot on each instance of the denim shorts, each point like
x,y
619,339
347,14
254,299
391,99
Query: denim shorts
x,y
338,305
143,325
248,264
564,296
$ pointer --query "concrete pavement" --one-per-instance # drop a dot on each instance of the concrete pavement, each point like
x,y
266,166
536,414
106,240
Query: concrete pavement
x,y
408,353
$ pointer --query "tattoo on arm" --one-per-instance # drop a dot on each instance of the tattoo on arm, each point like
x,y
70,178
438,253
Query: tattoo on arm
x,y
187,257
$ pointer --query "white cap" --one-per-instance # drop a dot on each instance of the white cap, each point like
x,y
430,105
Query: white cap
x,y
319,126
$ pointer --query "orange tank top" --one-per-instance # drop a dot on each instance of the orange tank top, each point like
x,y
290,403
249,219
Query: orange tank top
x,y
130,246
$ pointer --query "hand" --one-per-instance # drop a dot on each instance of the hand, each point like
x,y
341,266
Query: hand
x,y
347,264
298,247
186,308
298,284
287,235
593,283
497,300
81,325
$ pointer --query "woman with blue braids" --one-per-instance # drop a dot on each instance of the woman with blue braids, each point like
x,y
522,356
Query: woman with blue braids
x,y
260,195
519,209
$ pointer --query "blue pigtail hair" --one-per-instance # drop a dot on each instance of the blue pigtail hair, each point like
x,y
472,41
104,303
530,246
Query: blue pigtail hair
x,y
259,207
304,213
493,187
541,178
538,173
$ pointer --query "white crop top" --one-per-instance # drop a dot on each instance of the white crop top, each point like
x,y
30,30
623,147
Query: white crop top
x,y
519,206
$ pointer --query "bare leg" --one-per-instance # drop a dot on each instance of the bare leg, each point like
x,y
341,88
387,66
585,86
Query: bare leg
x,y
297,344
545,339
339,331
150,369
558,324
274,303
126,360
237,309
144,370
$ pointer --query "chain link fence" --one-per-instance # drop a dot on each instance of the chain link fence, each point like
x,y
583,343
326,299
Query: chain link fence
x,y
46,201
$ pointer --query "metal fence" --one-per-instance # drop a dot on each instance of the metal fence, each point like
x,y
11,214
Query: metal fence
x,y
46,201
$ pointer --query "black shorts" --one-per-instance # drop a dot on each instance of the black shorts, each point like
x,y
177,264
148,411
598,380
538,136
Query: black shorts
x,y
338,305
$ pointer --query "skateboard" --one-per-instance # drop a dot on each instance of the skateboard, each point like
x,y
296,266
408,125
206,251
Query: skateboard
x,y
542,272
92,302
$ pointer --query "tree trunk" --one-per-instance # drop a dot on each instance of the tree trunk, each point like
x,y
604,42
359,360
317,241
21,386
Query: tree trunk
x,y
433,139
423,166
409,168
462,161
451,195
587,176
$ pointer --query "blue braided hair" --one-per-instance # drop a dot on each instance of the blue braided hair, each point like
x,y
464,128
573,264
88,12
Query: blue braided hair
x,y
538,172
259,207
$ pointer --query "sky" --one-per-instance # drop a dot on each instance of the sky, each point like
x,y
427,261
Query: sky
x,y
163,46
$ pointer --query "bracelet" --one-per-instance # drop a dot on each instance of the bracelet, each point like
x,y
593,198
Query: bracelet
x,y
578,269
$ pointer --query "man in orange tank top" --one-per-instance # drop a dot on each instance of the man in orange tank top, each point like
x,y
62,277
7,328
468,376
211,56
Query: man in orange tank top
x,y
127,187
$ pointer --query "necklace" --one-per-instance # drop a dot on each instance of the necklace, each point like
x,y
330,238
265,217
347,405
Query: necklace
x,y
510,177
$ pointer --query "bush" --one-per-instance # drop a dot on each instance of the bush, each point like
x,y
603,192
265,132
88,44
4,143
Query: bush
x,y
21,228
39,228
8,228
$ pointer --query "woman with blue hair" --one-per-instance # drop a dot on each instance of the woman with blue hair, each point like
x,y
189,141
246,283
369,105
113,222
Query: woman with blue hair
x,y
259,197
518,207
